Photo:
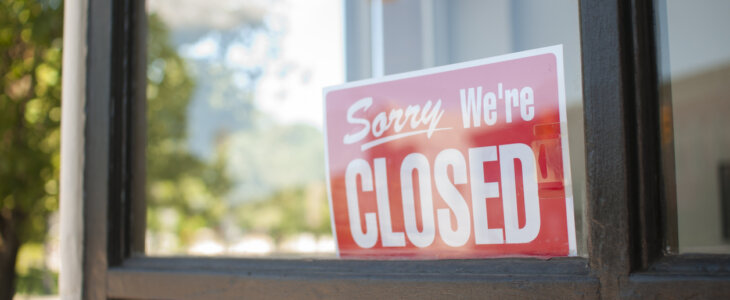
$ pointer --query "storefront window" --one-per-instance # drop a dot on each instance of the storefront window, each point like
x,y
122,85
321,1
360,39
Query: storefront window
x,y
235,153
695,65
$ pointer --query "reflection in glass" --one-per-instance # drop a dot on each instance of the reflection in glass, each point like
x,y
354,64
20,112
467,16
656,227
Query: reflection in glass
x,y
235,160
235,149
695,66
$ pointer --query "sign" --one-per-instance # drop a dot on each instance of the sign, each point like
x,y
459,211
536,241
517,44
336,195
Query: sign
x,y
461,161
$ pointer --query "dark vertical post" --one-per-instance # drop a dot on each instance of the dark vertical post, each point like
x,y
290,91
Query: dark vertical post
x,y
138,131
648,239
119,145
96,147
127,132
608,106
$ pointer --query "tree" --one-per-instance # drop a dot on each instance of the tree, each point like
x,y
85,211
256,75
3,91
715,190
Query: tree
x,y
30,112
179,184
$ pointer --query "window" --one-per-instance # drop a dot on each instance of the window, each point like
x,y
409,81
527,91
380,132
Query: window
x,y
625,192
695,64
234,150
235,146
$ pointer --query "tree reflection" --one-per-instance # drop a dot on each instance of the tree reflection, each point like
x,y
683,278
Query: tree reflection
x,y
245,183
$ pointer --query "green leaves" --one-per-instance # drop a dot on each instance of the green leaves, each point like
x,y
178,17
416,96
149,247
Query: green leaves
x,y
30,113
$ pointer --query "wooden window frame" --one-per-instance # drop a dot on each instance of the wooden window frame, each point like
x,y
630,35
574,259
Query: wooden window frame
x,y
629,210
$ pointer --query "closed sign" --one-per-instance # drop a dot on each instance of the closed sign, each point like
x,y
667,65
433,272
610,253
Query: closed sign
x,y
461,161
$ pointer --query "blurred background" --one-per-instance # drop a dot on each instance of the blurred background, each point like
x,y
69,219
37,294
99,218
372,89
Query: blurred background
x,y
235,148
30,111
235,163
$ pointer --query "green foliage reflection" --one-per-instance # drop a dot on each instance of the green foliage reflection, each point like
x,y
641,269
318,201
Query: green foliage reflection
x,y
178,183
263,178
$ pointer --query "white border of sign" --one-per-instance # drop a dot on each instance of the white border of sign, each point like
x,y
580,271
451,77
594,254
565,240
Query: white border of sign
x,y
556,50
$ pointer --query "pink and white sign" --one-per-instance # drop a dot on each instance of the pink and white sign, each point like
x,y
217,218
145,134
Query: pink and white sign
x,y
462,161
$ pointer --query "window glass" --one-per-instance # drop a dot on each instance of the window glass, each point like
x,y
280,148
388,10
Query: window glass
x,y
235,162
419,34
695,65
234,142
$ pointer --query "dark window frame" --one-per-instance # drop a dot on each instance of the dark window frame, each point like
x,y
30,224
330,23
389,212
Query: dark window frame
x,y
628,209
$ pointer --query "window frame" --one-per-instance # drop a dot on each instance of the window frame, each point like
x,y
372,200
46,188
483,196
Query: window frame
x,y
628,209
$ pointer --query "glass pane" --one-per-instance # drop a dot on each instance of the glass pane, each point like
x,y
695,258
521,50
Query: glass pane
x,y
695,66
235,148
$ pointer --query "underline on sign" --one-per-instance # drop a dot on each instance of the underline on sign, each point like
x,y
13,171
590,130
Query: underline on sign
x,y
391,138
